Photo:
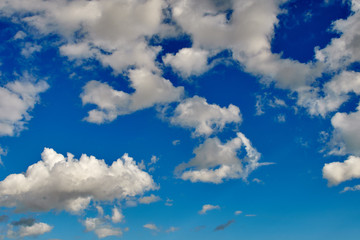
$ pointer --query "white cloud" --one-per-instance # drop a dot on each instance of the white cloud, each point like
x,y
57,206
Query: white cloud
x,y
64,183
151,226
238,212
214,161
154,159
119,28
100,228
208,207
19,35
352,189
3,152
335,93
29,49
149,199
17,99
150,89
188,61
117,216
248,33
338,172
32,230
343,51
346,137
205,118
172,229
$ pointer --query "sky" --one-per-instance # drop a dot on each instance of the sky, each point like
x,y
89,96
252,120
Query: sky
x,y
180,119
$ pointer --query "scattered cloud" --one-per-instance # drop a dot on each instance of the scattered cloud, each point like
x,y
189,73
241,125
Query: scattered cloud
x,y
204,118
28,229
149,199
64,183
208,207
150,89
172,229
17,99
250,215
169,202
351,189
338,172
215,161
238,212
188,61
117,215
176,142
225,225
151,226
101,228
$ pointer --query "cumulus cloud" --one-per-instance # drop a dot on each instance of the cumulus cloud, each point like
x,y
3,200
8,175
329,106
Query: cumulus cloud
x,y
150,89
65,183
17,99
247,32
117,216
117,28
208,207
204,118
28,229
151,226
225,225
101,228
338,172
149,199
346,137
188,61
215,161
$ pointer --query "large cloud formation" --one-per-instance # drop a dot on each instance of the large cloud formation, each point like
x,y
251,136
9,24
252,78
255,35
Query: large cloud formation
x,y
65,183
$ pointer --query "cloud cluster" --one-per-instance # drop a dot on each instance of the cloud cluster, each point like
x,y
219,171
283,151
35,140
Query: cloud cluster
x,y
17,99
215,161
65,183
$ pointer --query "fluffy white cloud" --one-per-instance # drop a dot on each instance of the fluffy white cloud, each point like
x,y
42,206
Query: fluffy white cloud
x,y
150,89
338,172
205,118
17,99
64,183
31,230
100,228
151,226
208,207
117,216
346,137
188,61
214,161
149,199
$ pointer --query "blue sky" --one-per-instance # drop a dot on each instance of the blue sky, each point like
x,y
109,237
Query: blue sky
x,y
179,119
